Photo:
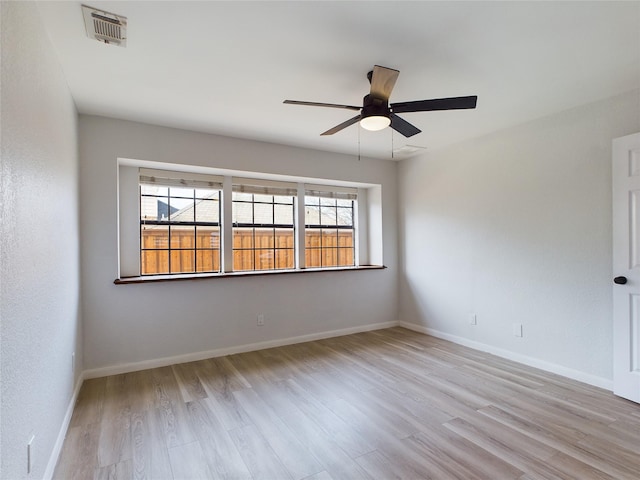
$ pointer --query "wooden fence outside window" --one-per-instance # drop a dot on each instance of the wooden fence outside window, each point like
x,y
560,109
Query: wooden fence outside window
x,y
327,248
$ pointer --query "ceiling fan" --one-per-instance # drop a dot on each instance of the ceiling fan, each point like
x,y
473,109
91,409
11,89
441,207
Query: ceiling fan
x,y
377,113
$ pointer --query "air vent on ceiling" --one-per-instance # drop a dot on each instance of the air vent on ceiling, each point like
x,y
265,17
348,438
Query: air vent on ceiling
x,y
104,26
407,151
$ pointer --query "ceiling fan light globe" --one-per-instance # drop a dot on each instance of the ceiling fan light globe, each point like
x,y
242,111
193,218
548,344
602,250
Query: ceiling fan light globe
x,y
375,122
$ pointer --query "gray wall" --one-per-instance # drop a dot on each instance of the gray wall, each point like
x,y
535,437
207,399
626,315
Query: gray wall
x,y
127,324
40,323
516,228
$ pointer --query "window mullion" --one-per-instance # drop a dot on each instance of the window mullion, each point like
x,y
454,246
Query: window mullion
x,y
253,231
300,245
195,234
273,230
320,209
227,225
358,238
169,230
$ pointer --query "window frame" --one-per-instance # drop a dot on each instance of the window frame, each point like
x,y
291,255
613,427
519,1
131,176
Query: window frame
x,y
171,224
336,196
257,225
367,231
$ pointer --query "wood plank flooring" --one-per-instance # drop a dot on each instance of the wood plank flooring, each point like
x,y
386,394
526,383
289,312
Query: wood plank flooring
x,y
389,404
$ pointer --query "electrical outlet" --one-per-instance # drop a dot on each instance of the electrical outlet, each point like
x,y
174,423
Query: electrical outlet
x,y
260,319
517,329
30,456
473,320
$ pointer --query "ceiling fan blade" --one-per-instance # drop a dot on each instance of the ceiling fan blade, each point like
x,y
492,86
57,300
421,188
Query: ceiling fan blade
x,y
343,125
453,103
316,104
382,81
400,125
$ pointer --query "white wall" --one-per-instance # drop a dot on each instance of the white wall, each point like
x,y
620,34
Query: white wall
x,y
39,314
516,228
137,323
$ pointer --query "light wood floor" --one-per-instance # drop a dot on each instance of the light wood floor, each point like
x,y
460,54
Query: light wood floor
x,y
379,405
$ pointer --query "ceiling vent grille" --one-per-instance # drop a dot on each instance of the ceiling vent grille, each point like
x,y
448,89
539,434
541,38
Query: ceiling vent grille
x,y
105,27
407,151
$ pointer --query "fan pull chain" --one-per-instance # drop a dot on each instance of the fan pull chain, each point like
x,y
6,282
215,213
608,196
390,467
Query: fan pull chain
x,y
391,143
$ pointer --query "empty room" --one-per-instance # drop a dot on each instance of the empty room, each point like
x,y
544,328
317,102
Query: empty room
x,y
320,240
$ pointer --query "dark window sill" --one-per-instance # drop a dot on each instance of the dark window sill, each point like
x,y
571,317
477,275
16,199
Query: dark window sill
x,y
201,276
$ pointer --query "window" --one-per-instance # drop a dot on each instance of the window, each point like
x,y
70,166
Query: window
x,y
263,229
179,226
188,223
329,228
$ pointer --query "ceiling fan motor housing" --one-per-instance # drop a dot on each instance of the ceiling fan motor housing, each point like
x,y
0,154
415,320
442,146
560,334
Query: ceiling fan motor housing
x,y
374,107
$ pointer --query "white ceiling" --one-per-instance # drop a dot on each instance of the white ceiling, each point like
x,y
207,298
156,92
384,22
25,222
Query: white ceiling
x,y
226,67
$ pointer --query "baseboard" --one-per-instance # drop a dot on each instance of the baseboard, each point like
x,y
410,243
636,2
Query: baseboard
x,y
57,447
220,352
516,357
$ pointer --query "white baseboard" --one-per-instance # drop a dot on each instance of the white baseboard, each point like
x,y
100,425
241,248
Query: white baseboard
x,y
220,352
57,447
516,357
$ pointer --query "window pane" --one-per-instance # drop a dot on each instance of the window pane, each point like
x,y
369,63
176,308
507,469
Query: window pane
x,y
208,237
328,216
283,199
207,193
345,257
328,201
181,209
284,238
329,237
311,215
345,216
264,259
154,261
154,190
182,237
285,259
182,261
181,192
312,200
312,238
344,203
163,210
242,260
155,236
263,198
283,214
312,257
245,197
329,257
264,237
263,213
208,211
242,212
154,208
242,238
207,260
345,238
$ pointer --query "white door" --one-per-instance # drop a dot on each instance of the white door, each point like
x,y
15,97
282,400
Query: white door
x,y
626,267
